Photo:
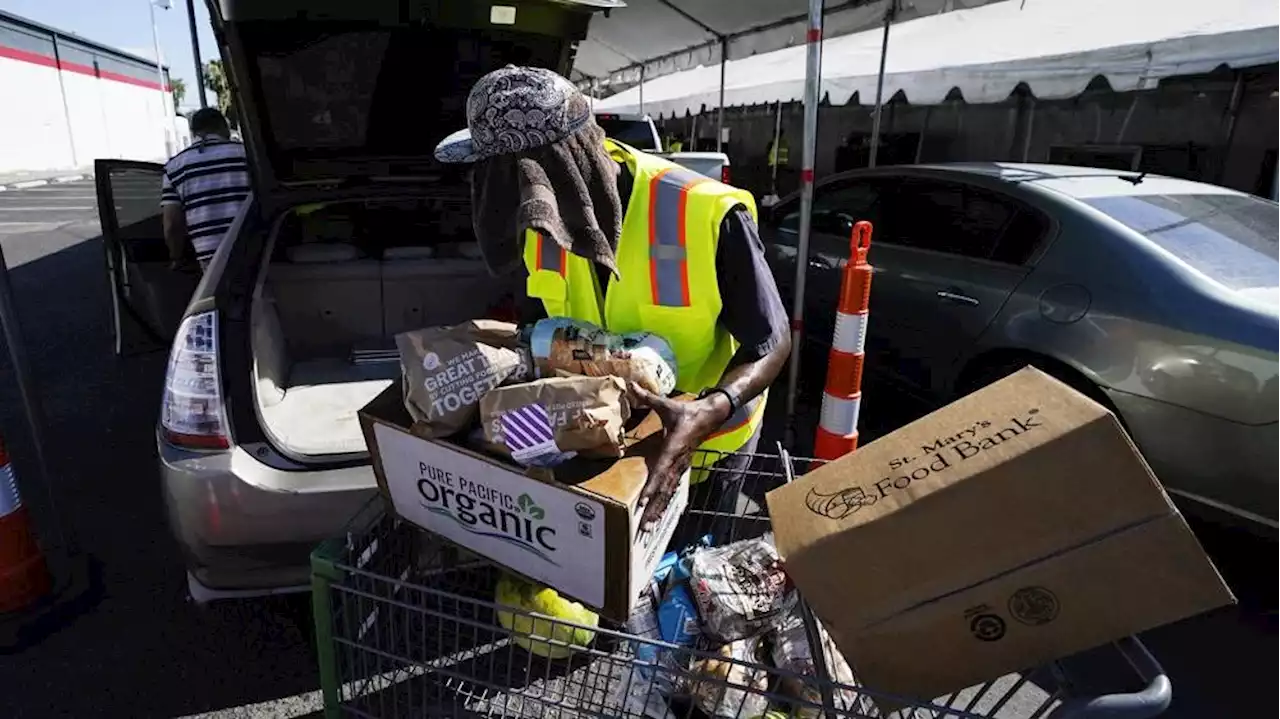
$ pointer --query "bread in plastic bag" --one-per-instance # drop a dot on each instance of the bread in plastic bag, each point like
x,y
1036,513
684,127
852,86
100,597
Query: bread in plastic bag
x,y
577,347
547,421
740,588
722,687
447,371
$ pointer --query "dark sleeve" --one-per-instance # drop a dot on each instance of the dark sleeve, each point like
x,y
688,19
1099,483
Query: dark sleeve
x,y
751,309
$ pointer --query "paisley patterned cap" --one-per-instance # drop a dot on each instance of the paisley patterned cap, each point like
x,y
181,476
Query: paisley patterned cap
x,y
516,109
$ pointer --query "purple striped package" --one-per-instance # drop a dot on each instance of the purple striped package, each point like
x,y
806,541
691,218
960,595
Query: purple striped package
x,y
547,421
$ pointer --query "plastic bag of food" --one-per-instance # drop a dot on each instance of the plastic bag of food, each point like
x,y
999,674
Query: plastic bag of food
x,y
792,652
644,688
448,370
740,588
547,421
721,687
567,345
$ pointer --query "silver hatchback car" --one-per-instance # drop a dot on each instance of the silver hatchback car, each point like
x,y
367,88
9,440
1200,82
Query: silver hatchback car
x,y
1156,296
354,233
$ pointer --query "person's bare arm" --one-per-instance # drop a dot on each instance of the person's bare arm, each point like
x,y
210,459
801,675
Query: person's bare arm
x,y
689,424
175,232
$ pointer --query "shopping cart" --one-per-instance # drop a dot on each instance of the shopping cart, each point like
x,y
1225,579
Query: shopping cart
x,y
406,626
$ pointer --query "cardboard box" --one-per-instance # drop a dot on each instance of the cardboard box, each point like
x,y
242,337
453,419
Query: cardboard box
x,y
574,528
1013,527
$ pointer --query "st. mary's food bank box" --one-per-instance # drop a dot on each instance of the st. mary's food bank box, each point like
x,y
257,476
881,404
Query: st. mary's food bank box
x,y
1015,526
575,528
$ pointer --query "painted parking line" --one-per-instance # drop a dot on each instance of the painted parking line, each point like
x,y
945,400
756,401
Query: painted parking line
x,y
41,208
18,227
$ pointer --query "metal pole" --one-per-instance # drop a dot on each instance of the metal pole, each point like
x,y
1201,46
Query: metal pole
x,y
30,403
1233,112
724,54
1026,138
155,38
642,89
884,51
195,52
812,89
777,138
66,109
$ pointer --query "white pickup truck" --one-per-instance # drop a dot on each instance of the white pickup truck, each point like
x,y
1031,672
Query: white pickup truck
x,y
639,132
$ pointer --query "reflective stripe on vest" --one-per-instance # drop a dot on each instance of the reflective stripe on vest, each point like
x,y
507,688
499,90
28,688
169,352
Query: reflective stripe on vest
x,y
668,258
551,256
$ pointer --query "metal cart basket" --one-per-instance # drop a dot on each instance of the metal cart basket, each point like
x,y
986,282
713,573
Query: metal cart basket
x,y
406,626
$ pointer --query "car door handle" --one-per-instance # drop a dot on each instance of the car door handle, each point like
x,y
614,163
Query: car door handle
x,y
954,296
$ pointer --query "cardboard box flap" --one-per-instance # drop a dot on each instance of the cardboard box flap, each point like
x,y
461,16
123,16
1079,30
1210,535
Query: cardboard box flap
x,y
1057,471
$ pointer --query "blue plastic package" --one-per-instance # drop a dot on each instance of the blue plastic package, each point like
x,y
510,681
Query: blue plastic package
x,y
678,617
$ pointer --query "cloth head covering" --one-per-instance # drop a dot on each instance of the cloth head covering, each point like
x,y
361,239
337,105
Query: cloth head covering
x,y
541,164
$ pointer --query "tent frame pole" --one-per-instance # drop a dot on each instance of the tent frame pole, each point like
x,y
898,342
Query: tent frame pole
x,y
889,13
812,94
642,89
777,137
724,55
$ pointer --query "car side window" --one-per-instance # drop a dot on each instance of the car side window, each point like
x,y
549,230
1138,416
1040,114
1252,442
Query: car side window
x,y
836,207
962,220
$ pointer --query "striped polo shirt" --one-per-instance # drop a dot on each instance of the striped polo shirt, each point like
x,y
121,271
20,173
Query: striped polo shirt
x,y
209,179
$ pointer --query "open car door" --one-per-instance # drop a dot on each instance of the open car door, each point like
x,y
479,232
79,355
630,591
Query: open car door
x,y
148,298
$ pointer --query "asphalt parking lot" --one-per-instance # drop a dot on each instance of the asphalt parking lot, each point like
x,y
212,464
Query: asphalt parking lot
x,y
144,651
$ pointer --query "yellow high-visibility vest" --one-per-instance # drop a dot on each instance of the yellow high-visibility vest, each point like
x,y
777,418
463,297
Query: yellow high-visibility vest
x,y
778,154
667,285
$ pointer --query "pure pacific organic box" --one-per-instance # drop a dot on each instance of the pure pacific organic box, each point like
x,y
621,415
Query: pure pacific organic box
x,y
1015,526
574,528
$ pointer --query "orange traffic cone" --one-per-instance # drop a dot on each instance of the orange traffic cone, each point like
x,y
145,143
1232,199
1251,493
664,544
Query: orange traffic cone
x,y
842,396
24,574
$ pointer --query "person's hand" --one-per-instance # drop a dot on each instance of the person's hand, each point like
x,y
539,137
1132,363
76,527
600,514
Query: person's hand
x,y
687,425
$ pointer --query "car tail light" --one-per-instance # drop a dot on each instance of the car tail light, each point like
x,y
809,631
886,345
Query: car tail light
x,y
724,174
191,413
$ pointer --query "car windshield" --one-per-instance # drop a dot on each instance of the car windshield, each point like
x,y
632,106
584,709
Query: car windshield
x,y
1229,238
636,133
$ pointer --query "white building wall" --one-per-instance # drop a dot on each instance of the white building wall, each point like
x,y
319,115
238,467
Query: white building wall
x,y
33,124
69,107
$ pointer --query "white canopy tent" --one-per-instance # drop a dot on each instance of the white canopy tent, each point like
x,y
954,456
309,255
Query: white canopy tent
x,y
1055,47
659,37
984,49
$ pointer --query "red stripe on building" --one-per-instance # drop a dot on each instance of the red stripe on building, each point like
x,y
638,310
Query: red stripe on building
x,y
36,58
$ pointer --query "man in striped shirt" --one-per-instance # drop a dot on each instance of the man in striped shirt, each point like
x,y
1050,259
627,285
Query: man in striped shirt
x,y
203,188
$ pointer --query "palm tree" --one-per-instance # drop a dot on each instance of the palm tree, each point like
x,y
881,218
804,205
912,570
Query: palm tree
x,y
179,90
215,79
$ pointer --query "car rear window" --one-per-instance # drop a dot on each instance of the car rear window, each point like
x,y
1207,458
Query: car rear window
x,y
1232,239
636,133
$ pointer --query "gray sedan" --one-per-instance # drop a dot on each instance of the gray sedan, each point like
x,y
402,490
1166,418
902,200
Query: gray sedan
x,y
1156,296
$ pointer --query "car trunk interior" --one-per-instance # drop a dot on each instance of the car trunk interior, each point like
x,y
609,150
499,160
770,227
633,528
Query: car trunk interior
x,y
341,282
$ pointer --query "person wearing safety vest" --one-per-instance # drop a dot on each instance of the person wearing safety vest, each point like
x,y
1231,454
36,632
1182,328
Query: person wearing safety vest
x,y
623,239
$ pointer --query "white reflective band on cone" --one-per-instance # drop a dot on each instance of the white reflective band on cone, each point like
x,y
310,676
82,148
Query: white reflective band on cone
x,y
840,416
851,333
9,499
